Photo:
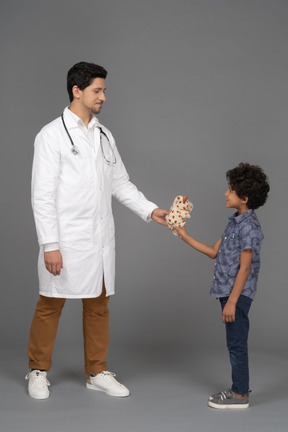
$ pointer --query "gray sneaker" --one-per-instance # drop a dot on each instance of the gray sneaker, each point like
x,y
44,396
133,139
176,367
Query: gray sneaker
x,y
228,400
217,395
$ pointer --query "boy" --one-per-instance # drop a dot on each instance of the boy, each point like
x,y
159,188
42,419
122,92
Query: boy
x,y
237,266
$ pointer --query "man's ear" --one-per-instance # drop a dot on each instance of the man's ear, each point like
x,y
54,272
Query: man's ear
x,y
76,92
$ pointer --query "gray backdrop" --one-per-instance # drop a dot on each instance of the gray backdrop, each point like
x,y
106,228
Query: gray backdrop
x,y
194,87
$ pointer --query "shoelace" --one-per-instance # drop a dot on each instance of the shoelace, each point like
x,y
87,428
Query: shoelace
x,y
107,373
38,377
109,376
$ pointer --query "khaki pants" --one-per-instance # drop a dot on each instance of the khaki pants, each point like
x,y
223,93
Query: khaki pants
x,y
95,331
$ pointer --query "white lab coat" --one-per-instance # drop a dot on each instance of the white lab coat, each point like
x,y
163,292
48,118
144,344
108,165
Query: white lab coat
x,y
71,201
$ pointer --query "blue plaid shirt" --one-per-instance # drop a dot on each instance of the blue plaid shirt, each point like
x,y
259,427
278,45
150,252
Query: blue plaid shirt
x,y
242,232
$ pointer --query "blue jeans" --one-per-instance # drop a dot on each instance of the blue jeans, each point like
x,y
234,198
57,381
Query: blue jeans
x,y
237,344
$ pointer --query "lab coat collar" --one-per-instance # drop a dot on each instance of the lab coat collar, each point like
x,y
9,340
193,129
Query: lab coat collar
x,y
73,121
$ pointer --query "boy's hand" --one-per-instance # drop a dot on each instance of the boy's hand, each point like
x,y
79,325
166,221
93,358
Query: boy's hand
x,y
181,232
228,313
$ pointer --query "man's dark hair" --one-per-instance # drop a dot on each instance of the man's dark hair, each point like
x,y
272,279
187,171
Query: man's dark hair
x,y
249,181
82,74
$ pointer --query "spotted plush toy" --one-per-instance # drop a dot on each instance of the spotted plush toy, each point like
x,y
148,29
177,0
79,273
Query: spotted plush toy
x,y
180,212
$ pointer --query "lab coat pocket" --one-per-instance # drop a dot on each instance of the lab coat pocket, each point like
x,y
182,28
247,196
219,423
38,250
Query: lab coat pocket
x,y
76,234
76,171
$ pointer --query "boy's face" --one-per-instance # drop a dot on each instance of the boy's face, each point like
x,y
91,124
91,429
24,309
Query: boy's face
x,y
233,201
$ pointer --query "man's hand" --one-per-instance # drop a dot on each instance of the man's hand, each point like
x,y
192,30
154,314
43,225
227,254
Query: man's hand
x,y
158,215
53,262
228,313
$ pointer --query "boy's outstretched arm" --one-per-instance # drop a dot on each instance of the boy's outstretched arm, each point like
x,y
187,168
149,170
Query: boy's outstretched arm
x,y
210,251
229,310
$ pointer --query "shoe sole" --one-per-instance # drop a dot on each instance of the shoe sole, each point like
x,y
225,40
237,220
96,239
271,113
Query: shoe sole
x,y
93,387
39,397
227,407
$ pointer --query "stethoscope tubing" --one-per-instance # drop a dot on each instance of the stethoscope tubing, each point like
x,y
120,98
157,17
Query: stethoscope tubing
x,y
75,150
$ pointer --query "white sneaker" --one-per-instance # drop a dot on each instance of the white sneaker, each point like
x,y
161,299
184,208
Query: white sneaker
x,y
106,382
38,384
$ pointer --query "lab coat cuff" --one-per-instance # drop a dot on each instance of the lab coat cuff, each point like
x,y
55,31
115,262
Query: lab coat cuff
x,y
49,247
149,218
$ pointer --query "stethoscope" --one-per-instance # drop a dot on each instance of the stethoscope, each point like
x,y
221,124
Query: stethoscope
x,y
75,149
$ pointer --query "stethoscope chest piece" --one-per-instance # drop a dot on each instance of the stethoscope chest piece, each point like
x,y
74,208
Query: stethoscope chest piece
x,y
75,149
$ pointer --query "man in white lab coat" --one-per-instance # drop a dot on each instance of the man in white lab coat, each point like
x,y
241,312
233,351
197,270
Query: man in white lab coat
x,y
76,171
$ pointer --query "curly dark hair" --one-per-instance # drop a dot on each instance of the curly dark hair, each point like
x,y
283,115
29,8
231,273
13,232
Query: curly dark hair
x,y
249,181
82,74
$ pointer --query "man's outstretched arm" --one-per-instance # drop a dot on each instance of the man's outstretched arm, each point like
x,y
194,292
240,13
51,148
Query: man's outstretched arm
x,y
158,215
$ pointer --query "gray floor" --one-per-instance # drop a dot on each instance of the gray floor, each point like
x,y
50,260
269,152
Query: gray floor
x,y
168,393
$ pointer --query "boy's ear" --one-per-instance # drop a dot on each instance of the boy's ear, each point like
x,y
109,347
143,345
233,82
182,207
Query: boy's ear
x,y
245,200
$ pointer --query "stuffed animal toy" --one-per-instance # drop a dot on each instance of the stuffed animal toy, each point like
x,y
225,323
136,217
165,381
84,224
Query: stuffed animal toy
x,y
180,212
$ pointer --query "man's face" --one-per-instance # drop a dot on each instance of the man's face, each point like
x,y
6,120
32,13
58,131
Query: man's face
x,y
93,96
